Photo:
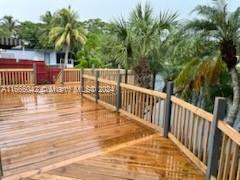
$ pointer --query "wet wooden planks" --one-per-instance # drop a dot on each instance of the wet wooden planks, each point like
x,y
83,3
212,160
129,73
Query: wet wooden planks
x,y
38,131
155,158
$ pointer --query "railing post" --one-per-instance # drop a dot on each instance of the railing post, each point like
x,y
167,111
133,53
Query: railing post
x,y
215,138
118,92
168,109
34,74
97,86
93,69
63,75
81,81
1,168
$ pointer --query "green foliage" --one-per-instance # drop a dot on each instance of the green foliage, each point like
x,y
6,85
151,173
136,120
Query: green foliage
x,y
8,26
45,28
65,31
90,53
4,32
221,27
140,37
29,33
96,26
121,43
82,64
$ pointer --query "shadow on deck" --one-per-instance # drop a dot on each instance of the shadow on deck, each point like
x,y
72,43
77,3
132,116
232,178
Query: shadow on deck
x,y
64,136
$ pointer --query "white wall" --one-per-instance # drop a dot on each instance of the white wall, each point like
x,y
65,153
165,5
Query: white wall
x,y
20,54
50,58
53,58
69,65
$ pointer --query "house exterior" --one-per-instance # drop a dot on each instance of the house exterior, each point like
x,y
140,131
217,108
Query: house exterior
x,y
51,58
11,48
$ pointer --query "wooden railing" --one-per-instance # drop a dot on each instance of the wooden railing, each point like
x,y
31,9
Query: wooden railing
x,y
89,87
68,76
190,130
207,140
143,103
229,164
73,75
107,92
16,77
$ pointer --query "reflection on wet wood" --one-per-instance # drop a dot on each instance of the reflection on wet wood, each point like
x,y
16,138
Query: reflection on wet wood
x,y
156,158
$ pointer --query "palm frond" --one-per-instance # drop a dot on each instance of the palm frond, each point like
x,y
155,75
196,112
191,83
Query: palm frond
x,y
201,25
166,19
120,27
205,11
186,76
66,30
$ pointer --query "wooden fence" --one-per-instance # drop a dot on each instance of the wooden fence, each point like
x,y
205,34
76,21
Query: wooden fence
x,y
204,137
10,77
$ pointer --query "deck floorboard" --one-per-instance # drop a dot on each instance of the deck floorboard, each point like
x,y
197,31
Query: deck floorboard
x,y
57,132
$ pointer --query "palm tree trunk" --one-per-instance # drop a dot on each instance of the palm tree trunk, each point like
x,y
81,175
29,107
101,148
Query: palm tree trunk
x,y
233,110
66,57
153,80
126,75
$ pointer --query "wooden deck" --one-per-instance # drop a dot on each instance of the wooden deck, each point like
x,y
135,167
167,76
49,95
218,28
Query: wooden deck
x,y
69,137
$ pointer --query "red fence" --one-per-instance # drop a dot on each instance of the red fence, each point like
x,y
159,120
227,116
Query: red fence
x,y
45,74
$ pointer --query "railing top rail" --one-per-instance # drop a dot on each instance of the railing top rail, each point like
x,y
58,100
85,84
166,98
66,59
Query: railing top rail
x,y
143,90
104,69
16,70
102,80
233,134
72,69
198,111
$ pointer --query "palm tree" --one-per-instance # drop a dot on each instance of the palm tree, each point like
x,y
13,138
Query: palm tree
x,y
9,24
47,18
144,27
149,33
223,28
66,31
44,30
199,69
162,44
122,44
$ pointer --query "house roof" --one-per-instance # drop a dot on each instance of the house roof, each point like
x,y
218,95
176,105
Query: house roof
x,y
7,43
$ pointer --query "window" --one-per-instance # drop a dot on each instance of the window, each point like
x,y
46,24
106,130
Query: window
x,y
70,61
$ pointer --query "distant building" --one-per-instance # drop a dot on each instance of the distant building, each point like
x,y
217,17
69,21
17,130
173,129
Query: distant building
x,y
10,48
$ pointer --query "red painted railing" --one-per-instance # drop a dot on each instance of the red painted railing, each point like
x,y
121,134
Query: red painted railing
x,y
45,74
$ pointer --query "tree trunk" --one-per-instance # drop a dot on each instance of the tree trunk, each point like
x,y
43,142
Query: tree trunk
x,y
153,80
142,73
126,75
66,57
233,110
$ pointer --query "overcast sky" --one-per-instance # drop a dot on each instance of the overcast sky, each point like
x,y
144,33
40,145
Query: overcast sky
x,y
104,9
